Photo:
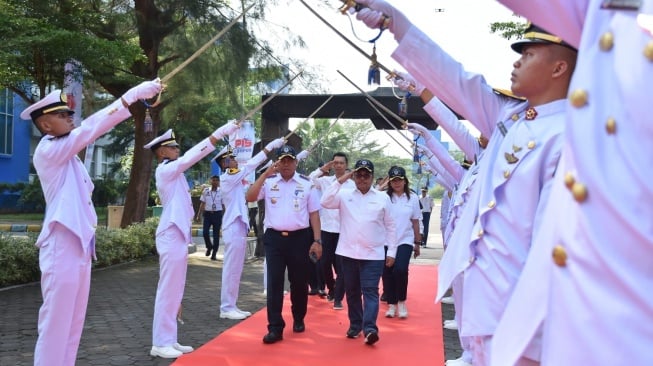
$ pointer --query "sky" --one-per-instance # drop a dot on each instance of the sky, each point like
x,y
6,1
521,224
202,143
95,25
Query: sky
x,y
462,29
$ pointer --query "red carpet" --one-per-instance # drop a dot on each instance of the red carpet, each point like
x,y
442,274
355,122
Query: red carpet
x,y
416,340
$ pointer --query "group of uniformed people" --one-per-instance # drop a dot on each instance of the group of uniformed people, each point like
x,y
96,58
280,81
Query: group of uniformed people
x,y
548,231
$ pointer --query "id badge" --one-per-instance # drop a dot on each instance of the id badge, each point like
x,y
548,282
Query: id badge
x,y
296,204
214,207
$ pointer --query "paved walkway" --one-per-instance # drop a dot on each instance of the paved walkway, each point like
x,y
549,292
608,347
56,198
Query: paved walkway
x,y
118,327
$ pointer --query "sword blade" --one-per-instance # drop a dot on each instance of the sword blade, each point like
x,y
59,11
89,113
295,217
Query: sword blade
x,y
379,104
345,38
258,107
388,121
309,117
326,133
204,47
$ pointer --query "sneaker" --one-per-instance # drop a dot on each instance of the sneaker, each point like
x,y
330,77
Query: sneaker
x,y
353,333
447,300
392,311
403,310
165,352
371,338
451,324
246,313
337,305
457,362
182,349
233,315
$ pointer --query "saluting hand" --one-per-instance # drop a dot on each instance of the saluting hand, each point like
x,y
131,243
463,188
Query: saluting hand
x,y
343,178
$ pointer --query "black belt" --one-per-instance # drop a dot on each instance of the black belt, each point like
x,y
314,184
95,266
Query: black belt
x,y
288,233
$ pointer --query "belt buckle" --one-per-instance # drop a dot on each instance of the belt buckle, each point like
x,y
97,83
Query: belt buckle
x,y
284,233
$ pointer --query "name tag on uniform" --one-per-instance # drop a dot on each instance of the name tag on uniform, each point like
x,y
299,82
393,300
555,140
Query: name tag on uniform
x,y
621,4
502,128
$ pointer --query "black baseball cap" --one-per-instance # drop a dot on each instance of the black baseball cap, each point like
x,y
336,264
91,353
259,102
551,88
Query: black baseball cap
x,y
364,164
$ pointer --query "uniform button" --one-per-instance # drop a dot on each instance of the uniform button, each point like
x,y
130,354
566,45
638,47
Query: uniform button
x,y
579,191
569,180
491,204
559,256
480,233
506,174
611,126
515,117
648,51
531,145
578,98
606,41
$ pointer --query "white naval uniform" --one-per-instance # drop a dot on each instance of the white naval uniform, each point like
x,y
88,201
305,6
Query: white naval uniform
x,y
172,238
595,300
455,203
511,190
67,241
235,227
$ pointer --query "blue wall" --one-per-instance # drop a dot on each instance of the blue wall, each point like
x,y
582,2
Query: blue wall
x,y
14,168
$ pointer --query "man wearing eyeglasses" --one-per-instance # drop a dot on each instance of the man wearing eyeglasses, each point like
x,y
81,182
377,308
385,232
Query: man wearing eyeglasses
x,y
67,242
366,226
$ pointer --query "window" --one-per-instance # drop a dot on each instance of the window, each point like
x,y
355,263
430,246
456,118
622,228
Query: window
x,y
6,122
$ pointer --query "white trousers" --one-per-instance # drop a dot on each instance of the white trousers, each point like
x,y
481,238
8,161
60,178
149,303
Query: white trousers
x,y
235,247
65,284
481,346
457,288
173,261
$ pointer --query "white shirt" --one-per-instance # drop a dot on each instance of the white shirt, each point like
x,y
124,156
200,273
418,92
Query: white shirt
x,y
233,192
66,185
366,224
427,203
288,202
173,189
330,218
212,199
404,210
601,299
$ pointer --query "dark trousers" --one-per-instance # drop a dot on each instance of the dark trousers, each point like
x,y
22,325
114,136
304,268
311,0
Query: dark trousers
x,y
316,277
253,211
362,289
395,278
426,218
286,251
212,219
330,263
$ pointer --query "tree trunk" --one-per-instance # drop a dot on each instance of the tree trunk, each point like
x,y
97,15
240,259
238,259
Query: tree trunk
x,y
138,189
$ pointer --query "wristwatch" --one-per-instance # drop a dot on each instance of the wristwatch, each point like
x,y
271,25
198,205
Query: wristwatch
x,y
319,241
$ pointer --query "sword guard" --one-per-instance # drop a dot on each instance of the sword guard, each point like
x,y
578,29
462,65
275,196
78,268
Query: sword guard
x,y
348,4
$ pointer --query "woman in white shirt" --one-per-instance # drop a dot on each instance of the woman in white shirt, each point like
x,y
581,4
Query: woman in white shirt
x,y
404,208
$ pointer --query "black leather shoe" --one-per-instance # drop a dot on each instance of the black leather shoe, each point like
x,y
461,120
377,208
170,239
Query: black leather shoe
x,y
313,292
371,338
208,252
383,297
272,337
298,326
353,333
